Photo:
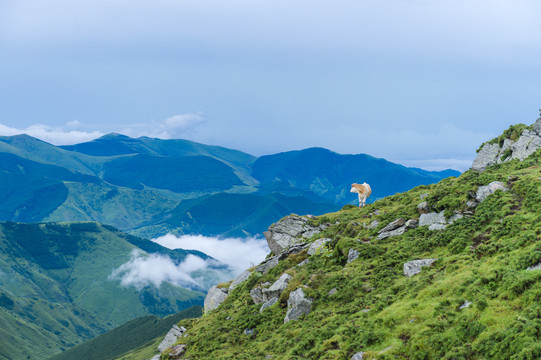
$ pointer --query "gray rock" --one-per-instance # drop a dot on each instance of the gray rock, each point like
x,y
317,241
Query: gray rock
x,y
268,304
393,225
485,157
248,332
484,191
434,227
352,255
432,218
289,231
156,357
423,196
465,305
293,250
537,127
374,224
535,267
526,145
240,279
414,267
276,288
411,224
267,264
422,208
358,356
317,246
304,262
177,350
215,297
456,216
257,295
365,310
471,204
298,305
332,292
394,232
171,337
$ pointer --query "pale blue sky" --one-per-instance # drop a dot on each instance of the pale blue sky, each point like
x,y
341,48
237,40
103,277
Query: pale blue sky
x,y
421,82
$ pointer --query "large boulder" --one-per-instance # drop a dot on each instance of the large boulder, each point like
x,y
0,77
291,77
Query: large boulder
x,y
268,304
298,305
215,297
289,231
414,267
484,191
267,264
487,156
393,225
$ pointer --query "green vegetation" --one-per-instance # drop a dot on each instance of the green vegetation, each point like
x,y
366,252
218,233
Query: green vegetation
x,y
482,259
55,290
127,337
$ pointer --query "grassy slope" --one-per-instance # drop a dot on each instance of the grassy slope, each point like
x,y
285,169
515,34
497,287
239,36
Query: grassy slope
x,y
127,337
481,258
55,289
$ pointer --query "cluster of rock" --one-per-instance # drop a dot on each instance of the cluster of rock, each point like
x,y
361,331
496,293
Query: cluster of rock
x,y
490,154
397,227
437,221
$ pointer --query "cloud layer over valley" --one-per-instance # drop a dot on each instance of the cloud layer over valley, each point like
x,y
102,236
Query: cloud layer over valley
x,y
194,272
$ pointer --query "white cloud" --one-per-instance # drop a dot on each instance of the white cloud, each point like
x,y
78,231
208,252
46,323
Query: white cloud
x,y
238,253
194,273
74,132
53,135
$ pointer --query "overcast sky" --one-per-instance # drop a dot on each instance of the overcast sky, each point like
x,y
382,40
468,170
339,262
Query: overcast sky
x,y
420,82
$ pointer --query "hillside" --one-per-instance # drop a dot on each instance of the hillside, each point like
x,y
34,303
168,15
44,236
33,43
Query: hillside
x,y
443,271
56,288
129,336
140,185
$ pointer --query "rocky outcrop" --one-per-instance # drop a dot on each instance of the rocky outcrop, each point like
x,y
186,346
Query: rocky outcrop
x,y
422,208
298,305
267,264
257,295
358,356
289,231
177,350
535,267
484,191
215,297
490,154
414,267
397,227
437,221
171,337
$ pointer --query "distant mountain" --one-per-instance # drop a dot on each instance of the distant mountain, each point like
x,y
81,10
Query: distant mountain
x,y
56,290
151,186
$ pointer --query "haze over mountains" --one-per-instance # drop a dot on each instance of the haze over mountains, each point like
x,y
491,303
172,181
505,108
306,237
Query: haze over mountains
x,y
150,187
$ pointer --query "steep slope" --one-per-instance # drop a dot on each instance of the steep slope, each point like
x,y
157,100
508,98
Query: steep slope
x,y
330,175
56,288
444,271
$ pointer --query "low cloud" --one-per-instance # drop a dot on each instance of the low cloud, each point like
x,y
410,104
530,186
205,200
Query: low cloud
x,y
193,273
74,132
64,135
239,254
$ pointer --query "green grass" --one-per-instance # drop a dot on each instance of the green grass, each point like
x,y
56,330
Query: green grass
x,y
482,258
